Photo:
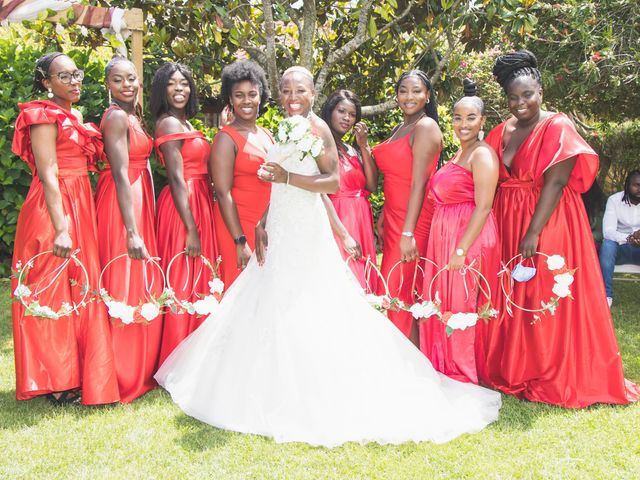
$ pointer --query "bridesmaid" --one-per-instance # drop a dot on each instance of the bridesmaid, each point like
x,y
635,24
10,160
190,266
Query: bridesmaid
x,y
125,210
463,233
353,219
571,358
237,153
184,220
73,353
408,159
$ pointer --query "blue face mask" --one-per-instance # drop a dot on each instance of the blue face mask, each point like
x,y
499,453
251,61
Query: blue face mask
x,y
520,273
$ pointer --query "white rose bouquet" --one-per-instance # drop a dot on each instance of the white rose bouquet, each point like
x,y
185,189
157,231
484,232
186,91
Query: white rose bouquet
x,y
294,139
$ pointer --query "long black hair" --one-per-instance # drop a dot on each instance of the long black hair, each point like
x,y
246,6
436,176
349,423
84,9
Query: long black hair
x,y
516,64
43,65
332,102
158,104
431,108
627,185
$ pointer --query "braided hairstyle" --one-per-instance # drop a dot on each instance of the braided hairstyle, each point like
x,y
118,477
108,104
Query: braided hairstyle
x,y
431,108
158,104
43,64
517,64
627,185
470,90
115,60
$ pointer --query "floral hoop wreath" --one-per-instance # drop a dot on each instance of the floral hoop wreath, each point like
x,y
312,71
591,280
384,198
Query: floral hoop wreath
x,y
145,311
459,320
33,308
382,303
563,277
206,303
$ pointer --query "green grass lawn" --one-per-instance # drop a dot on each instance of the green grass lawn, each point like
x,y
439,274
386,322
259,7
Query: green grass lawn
x,y
152,438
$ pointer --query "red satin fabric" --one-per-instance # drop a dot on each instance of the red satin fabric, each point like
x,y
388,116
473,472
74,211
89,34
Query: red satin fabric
x,y
452,188
251,196
136,346
395,159
172,235
354,211
571,359
73,351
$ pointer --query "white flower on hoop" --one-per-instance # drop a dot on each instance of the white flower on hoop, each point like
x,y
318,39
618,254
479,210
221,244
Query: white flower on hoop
x,y
555,262
216,285
149,311
561,290
22,291
206,305
564,278
462,320
42,311
121,311
425,309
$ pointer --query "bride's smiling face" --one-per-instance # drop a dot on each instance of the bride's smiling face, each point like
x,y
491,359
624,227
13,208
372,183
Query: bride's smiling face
x,y
296,94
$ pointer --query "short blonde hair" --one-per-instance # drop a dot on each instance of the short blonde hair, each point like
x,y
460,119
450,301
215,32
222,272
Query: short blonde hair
x,y
298,69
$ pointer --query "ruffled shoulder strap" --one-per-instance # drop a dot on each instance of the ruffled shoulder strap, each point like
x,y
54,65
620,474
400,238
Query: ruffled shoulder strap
x,y
40,112
562,142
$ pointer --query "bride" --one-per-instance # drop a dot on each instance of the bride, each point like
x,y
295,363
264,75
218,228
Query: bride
x,y
294,351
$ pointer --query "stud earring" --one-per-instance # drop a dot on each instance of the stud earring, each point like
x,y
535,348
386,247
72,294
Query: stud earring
x,y
50,94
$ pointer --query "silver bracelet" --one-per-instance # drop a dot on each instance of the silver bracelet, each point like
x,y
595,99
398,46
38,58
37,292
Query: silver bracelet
x,y
288,176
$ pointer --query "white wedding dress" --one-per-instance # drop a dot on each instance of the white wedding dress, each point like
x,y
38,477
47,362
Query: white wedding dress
x,y
296,353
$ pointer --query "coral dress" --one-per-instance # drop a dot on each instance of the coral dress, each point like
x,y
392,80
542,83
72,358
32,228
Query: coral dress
x,y
136,346
251,196
571,359
188,275
395,159
73,351
354,211
452,189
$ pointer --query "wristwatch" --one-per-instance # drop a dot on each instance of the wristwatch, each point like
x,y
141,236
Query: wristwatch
x,y
240,240
460,252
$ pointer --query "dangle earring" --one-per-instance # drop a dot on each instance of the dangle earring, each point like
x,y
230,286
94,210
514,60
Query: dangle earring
x,y
50,94
481,135
109,94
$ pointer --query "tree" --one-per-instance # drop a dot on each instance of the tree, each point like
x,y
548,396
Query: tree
x,y
364,44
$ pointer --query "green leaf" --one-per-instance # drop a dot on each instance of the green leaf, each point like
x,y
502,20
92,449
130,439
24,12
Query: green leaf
x,y
372,27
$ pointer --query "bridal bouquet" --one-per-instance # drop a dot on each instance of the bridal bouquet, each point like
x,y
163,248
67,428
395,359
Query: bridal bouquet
x,y
295,140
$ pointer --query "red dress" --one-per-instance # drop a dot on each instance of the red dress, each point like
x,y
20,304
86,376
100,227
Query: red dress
x,y
452,189
395,159
354,211
136,346
73,351
251,196
172,235
571,358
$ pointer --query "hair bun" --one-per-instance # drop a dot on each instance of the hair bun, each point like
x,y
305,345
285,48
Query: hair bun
x,y
470,87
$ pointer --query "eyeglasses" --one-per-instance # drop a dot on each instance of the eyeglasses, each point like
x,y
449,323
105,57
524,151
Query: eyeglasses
x,y
65,77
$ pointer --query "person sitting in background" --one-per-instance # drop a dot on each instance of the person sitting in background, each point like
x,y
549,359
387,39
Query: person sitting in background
x,y
621,230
